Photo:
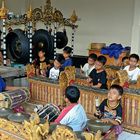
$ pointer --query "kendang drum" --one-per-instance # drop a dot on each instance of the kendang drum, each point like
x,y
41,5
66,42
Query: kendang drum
x,y
16,97
49,111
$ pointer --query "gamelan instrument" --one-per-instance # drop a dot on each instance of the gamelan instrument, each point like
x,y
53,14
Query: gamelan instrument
x,y
12,99
95,125
49,111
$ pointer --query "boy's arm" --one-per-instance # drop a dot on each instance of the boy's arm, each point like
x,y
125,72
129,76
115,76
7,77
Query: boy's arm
x,y
112,121
98,85
102,79
89,79
101,109
48,72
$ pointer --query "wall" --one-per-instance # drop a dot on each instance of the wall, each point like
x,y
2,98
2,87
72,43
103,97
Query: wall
x,y
135,41
101,20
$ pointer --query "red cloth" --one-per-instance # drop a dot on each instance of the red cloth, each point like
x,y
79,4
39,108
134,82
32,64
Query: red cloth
x,y
64,112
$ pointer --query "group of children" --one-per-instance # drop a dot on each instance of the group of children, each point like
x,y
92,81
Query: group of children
x,y
74,116
96,73
52,70
110,109
93,69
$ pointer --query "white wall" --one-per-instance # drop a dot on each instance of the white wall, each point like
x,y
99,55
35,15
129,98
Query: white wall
x,y
101,20
135,41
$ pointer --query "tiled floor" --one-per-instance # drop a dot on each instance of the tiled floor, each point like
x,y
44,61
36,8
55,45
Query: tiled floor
x,y
128,136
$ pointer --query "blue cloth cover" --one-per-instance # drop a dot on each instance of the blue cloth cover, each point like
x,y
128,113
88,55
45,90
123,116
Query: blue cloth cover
x,y
114,50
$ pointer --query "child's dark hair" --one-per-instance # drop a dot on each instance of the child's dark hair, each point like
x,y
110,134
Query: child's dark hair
x,y
134,56
41,50
60,58
124,58
118,88
72,93
67,50
102,59
93,56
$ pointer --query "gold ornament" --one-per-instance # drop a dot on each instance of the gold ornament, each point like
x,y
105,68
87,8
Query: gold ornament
x,y
3,11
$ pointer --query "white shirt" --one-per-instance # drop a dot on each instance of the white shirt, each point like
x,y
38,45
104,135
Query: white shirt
x,y
133,74
76,118
87,69
54,73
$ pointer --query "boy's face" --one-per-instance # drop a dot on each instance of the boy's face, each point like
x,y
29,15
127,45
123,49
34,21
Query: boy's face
x,y
57,65
41,54
66,55
91,61
113,95
98,65
133,62
126,62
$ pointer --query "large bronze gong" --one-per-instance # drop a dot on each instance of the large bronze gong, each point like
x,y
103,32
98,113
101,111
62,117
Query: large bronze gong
x,y
17,45
61,40
43,39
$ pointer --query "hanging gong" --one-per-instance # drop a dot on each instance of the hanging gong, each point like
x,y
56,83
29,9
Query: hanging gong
x,y
17,45
43,39
61,40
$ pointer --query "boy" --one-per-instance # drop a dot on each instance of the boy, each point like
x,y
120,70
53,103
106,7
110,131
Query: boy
x,y
110,109
88,67
73,115
132,69
125,62
53,72
98,75
66,53
42,63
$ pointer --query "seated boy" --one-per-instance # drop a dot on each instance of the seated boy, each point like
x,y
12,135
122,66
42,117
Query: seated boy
x,y
88,67
132,69
67,53
125,62
73,115
41,63
98,75
53,72
110,110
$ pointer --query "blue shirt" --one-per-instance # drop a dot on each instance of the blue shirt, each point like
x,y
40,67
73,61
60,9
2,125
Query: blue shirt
x,y
68,62
2,85
76,118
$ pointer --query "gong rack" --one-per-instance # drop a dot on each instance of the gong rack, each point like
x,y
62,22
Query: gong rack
x,y
49,16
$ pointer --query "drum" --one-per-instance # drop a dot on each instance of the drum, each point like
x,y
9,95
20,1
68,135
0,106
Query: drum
x,y
16,97
49,111
95,125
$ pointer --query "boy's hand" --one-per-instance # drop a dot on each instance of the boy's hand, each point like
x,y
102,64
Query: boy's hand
x,y
89,79
106,120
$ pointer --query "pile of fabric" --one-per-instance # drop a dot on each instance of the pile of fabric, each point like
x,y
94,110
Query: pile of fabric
x,y
114,50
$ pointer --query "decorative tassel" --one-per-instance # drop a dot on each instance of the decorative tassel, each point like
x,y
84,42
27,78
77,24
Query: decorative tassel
x,y
4,41
55,31
30,40
72,40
